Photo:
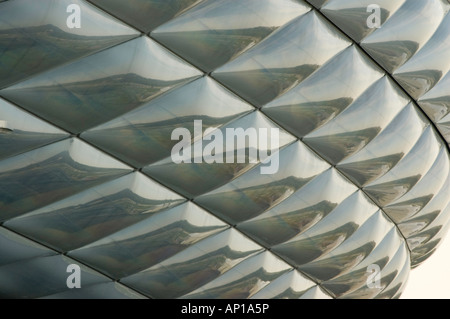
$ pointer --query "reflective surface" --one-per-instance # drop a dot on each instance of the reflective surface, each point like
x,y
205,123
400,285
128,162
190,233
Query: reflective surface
x,y
216,31
19,255
143,136
102,86
87,176
281,62
21,132
36,38
146,15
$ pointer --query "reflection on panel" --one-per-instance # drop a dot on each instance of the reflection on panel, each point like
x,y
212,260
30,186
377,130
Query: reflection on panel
x,y
338,230
404,33
14,248
95,213
194,266
381,154
283,60
426,68
408,172
436,103
426,189
244,280
216,31
359,124
231,155
352,16
400,275
301,211
17,281
251,194
146,15
21,132
50,173
364,277
150,241
35,36
387,276
103,86
425,243
144,135
325,94
351,252
29,270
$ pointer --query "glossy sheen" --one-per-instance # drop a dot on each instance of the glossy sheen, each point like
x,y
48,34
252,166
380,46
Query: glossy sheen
x,y
86,174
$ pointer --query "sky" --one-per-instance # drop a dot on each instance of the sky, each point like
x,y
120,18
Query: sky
x,y
431,280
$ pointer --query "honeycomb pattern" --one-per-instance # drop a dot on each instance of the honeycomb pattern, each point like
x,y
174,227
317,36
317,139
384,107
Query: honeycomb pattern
x,y
86,174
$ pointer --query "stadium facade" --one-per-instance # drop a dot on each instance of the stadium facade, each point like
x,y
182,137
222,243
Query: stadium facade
x,y
91,91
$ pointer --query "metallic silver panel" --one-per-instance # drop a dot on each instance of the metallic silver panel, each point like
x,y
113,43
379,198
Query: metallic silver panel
x,y
192,179
146,15
102,86
95,213
146,131
34,36
150,241
216,31
195,266
51,173
21,132
283,60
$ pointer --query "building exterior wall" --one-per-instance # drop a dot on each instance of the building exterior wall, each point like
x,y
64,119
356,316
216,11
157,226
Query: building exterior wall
x,y
93,92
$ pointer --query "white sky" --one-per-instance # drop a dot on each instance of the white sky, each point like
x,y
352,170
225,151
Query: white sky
x,y
431,280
